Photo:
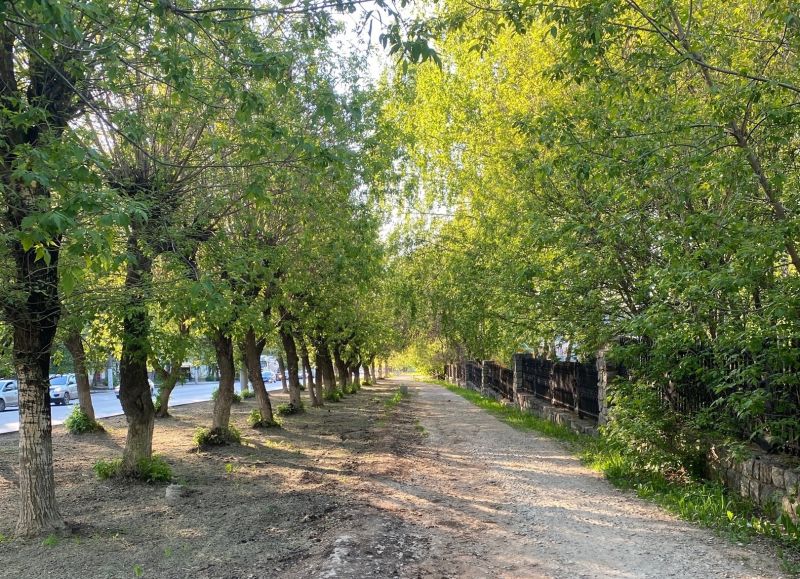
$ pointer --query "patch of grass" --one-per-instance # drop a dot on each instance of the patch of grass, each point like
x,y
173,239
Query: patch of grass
x,y
205,437
399,396
333,396
421,429
78,422
50,541
106,469
705,502
287,408
248,394
255,420
138,571
150,470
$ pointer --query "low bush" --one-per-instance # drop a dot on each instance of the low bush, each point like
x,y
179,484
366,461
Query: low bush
x,y
78,422
248,394
255,420
333,396
106,469
286,409
150,470
204,437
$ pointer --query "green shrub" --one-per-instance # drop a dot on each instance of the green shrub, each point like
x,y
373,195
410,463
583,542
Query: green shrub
x,y
648,435
235,400
204,437
255,420
248,394
287,408
153,469
78,422
366,383
333,396
106,469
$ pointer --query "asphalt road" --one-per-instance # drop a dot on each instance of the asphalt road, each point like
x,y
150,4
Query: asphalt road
x,y
106,403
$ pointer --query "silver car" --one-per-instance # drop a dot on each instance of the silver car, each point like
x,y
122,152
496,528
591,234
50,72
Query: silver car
x,y
9,394
63,389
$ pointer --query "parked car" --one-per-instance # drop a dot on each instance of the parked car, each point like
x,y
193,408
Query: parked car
x,y
9,394
63,389
268,376
152,389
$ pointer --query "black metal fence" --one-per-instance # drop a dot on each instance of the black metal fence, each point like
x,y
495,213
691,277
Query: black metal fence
x,y
473,375
570,385
500,379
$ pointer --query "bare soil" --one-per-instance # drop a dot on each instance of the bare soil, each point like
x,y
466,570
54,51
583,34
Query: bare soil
x,y
433,487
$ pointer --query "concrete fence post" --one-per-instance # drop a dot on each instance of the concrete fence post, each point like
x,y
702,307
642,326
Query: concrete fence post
x,y
517,382
606,372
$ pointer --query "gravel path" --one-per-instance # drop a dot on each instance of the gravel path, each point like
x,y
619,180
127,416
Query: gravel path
x,y
498,502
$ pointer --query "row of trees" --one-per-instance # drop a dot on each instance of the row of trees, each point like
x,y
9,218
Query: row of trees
x,y
175,174
598,171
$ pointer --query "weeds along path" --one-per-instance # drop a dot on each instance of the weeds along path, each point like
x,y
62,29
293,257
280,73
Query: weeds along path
x,y
497,502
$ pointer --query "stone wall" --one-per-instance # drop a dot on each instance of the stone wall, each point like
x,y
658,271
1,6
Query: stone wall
x,y
766,479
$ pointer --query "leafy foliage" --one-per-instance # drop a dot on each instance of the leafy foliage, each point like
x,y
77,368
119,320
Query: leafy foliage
x,y
206,437
78,422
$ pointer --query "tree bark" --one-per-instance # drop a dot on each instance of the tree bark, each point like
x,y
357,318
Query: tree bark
x,y
244,383
252,351
282,372
313,393
341,369
356,376
367,377
292,366
318,379
134,391
325,365
223,346
74,344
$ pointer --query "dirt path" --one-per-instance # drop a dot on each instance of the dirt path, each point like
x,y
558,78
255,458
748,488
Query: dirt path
x,y
495,502
433,487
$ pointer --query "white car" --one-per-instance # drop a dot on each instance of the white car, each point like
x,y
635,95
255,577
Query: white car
x,y
9,394
152,389
63,389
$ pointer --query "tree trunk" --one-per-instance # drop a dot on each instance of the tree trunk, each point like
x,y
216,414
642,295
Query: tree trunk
x,y
282,372
244,383
168,382
367,376
341,369
372,364
291,365
74,344
318,379
134,391
356,376
325,365
385,369
314,393
223,346
252,352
